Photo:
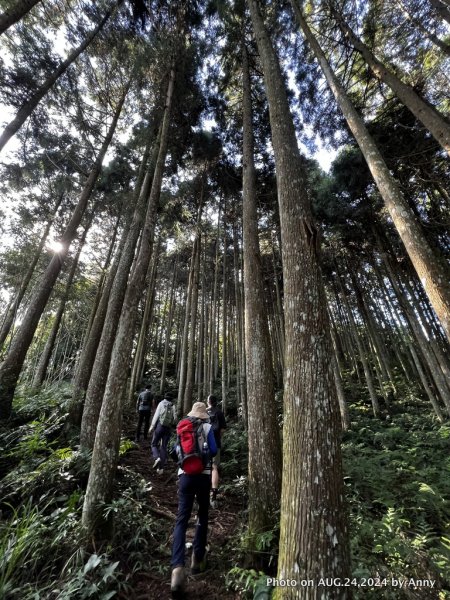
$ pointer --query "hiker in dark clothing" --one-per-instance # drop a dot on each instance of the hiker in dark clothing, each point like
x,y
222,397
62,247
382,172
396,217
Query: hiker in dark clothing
x,y
163,421
143,408
190,487
218,424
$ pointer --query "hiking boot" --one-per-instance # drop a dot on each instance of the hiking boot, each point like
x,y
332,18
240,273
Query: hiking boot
x,y
213,503
177,582
198,566
156,463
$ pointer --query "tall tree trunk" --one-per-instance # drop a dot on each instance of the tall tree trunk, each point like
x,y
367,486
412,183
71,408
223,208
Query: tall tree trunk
x,y
189,388
361,349
264,444
279,316
15,13
345,417
28,107
107,440
224,315
313,534
427,114
180,314
371,327
168,328
183,349
426,387
139,357
432,334
88,352
422,342
99,372
101,283
44,360
213,337
13,363
12,309
430,268
206,337
240,347
200,360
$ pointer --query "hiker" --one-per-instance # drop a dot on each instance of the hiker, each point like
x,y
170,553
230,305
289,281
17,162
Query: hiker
x,y
143,408
163,421
196,446
218,424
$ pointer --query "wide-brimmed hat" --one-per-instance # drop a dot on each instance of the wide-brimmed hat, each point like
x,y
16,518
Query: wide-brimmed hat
x,y
199,411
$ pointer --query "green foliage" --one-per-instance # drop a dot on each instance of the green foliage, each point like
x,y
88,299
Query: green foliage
x,y
125,445
20,543
33,404
97,578
234,455
134,529
34,542
45,478
244,581
32,459
398,486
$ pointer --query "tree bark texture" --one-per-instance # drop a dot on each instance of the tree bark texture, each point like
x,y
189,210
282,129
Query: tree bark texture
x,y
88,352
264,444
99,373
313,534
107,440
139,357
168,328
189,387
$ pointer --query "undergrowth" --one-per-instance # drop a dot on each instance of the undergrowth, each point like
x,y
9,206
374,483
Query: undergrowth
x,y
41,498
396,477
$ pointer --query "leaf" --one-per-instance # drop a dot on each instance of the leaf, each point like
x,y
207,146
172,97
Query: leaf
x,y
107,596
109,570
93,562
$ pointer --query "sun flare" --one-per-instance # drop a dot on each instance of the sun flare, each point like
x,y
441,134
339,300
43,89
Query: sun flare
x,y
55,246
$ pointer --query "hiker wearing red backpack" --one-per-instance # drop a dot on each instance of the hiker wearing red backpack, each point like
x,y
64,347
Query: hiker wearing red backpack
x,y
163,421
196,446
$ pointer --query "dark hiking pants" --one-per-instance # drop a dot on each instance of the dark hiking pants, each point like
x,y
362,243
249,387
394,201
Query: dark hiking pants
x,y
144,419
189,488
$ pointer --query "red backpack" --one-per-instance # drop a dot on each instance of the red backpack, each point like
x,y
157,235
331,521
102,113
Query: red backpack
x,y
192,446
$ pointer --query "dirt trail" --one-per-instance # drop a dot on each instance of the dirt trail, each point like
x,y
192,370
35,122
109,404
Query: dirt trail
x,y
163,503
